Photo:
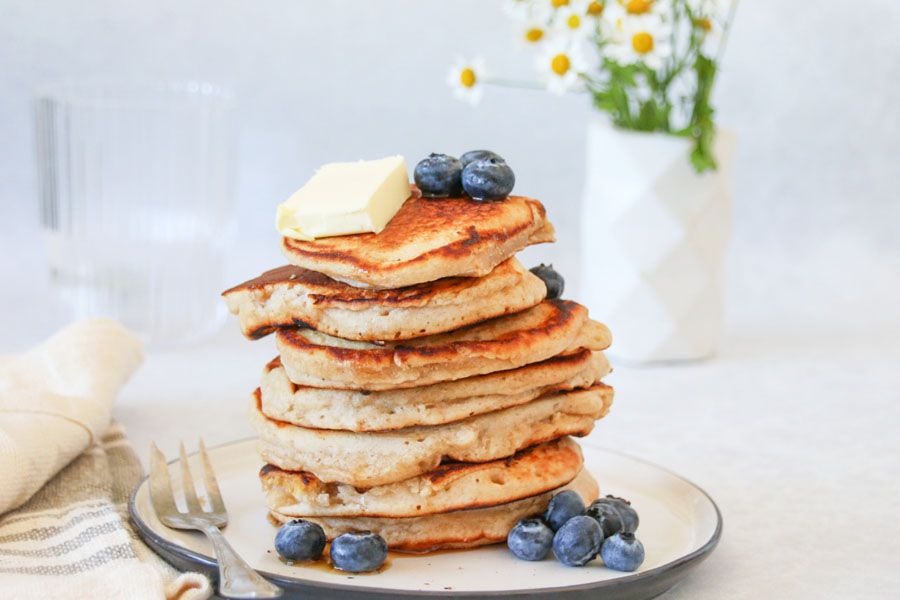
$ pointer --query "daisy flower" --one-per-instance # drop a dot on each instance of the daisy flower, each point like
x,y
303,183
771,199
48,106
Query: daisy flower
x,y
584,8
645,38
574,20
560,64
641,7
710,34
594,9
601,14
616,12
465,78
533,32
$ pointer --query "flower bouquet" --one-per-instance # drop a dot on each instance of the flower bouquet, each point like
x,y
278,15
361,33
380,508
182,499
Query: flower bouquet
x,y
649,64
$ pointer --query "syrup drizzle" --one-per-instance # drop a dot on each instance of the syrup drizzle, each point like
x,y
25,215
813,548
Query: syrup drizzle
x,y
325,564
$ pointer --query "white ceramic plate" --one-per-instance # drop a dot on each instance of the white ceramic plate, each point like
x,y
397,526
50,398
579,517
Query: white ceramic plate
x,y
680,526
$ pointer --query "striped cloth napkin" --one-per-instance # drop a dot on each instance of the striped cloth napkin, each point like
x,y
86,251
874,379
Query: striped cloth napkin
x,y
67,474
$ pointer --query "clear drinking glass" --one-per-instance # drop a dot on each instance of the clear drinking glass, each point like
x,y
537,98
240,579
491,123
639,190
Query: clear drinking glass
x,y
136,201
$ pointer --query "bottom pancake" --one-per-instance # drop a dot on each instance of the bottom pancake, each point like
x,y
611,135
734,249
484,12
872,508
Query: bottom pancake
x,y
454,529
451,486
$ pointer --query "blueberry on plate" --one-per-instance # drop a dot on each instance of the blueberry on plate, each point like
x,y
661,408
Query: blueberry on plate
x,y
606,515
300,540
488,179
552,279
358,551
473,155
630,520
530,539
563,506
578,541
438,176
622,552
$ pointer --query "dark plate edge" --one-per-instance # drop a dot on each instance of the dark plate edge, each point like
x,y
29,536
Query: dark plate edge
x,y
644,585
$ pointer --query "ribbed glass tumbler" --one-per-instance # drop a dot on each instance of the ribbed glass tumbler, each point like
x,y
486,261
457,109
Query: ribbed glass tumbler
x,y
135,185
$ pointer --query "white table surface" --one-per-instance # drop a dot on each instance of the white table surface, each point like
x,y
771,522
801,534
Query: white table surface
x,y
794,429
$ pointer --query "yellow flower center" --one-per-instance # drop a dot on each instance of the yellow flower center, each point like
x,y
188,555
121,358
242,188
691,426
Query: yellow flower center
x,y
704,24
467,77
595,9
534,34
559,3
574,21
638,7
560,64
642,42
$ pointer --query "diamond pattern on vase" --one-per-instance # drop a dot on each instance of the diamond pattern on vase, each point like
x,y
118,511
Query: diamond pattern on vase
x,y
647,232
682,277
654,235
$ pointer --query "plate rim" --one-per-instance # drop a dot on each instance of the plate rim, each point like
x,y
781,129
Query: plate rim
x,y
670,568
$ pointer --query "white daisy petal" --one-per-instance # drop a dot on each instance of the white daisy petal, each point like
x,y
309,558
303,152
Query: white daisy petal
x,y
573,21
466,79
560,64
711,34
533,32
645,38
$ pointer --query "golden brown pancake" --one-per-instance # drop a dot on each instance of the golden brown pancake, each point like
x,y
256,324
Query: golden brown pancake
x,y
428,239
547,329
452,529
436,404
291,295
379,458
450,486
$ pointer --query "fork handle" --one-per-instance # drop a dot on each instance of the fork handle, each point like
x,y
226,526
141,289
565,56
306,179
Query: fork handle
x,y
237,579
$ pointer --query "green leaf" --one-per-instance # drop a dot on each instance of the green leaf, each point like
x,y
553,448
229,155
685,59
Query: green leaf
x,y
702,160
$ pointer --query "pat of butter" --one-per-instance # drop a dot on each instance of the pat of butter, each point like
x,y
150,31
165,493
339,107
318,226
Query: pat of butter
x,y
345,198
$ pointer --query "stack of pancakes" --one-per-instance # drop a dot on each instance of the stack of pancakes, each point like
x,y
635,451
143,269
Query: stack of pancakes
x,y
425,386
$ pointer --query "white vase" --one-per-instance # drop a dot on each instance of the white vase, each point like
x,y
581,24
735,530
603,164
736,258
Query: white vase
x,y
653,240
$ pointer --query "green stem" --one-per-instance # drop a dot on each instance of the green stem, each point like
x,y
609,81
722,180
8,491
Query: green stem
x,y
512,83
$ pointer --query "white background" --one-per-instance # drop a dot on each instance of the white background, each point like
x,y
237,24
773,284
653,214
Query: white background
x,y
793,428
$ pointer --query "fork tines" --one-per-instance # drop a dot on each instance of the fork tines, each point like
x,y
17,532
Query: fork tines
x,y
162,495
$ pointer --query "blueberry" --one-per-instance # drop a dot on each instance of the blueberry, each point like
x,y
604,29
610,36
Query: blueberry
x,y
578,541
630,520
552,279
358,551
300,540
622,552
439,176
563,506
607,516
530,539
473,155
488,179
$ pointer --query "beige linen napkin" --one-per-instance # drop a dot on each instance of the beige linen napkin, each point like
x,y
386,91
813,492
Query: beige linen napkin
x,y
55,402
72,538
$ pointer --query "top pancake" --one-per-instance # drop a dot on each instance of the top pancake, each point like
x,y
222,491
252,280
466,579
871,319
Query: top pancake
x,y
428,240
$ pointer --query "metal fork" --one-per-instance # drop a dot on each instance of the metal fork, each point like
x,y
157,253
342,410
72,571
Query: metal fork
x,y
236,578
